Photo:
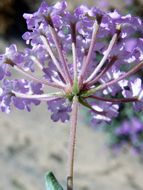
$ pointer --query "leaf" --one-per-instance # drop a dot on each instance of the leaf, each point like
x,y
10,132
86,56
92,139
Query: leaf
x,y
51,182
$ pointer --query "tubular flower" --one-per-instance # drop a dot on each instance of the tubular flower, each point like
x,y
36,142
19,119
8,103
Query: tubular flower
x,y
88,53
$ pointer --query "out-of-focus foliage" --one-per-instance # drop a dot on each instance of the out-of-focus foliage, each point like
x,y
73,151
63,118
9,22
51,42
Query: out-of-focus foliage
x,y
11,19
134,7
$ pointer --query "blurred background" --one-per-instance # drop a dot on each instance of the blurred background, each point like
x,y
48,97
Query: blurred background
x,y
31,144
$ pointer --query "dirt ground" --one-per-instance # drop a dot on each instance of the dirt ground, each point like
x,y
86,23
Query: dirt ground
x,y
31,145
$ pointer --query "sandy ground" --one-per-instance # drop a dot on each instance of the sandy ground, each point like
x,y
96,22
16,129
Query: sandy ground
x,y
31,145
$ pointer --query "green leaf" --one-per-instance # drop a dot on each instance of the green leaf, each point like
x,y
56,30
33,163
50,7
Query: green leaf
x,y
51,182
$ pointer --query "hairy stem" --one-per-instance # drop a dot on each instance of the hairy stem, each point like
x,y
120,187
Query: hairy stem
x,y
89,55
55,61
32,77
72,141
75,83
103,71
103,60
114,100
36,61
61,55
74,61
44,97
114,81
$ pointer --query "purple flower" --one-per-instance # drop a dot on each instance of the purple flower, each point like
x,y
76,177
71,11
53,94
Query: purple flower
x,y
88,54
59,110
7,97
9,55
135,90
130,133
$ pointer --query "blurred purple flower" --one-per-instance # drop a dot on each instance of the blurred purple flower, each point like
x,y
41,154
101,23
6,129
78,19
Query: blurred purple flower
x,y
130,133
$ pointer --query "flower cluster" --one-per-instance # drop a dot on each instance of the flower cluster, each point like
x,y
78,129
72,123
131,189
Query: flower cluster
x,y
89,54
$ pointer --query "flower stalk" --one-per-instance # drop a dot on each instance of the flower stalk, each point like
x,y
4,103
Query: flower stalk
x,y
112,82
61,55
42,97
55,61
90,51
72,143
106,54
32,77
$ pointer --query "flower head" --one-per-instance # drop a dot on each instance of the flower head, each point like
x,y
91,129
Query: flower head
x,y
88,53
